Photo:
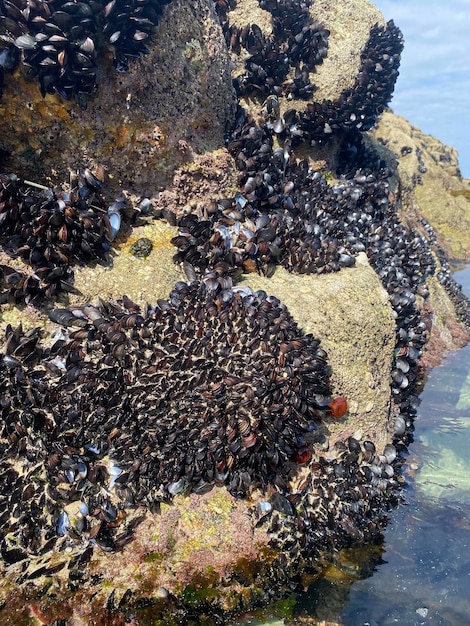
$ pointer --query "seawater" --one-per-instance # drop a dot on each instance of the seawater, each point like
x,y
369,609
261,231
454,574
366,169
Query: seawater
x,y
421,574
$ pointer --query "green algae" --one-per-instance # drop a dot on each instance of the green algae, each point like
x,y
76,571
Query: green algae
x,y
285,608
445,471
196,595
221,504
202,589
154,557
445,475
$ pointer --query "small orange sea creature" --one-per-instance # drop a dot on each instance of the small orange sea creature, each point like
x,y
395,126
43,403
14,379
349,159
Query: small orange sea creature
x,y
338,407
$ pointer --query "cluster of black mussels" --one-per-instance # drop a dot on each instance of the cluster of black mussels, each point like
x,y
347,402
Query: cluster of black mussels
x,y
359,107
444,276
129,407
341,502
52,229
297,44
279,66
217,385
59,40
286,213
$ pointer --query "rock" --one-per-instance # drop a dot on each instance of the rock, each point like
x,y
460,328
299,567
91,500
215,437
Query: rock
x,y
349,24
140,124
359,345
158,130
439,194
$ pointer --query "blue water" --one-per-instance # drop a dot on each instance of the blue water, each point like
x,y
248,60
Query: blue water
x,y
421,574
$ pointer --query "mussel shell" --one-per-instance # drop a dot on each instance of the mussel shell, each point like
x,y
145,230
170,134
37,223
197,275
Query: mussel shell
x,y
115,222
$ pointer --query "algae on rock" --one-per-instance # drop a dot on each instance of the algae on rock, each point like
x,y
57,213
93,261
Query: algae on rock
x,y
140,124
437,191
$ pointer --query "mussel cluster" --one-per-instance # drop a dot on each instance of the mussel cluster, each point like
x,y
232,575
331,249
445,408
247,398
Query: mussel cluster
x,y
280,66
212,386
52,229
340,502
297,44
286,213
357,108
60,40
444,276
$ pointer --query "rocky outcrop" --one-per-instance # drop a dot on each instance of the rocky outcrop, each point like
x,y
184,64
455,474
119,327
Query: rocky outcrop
x,y
434,193
141,123
157,133
359,345
430,175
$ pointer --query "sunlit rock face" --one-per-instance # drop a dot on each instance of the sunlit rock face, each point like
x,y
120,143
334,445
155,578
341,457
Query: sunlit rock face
x,y
430,173
138,117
